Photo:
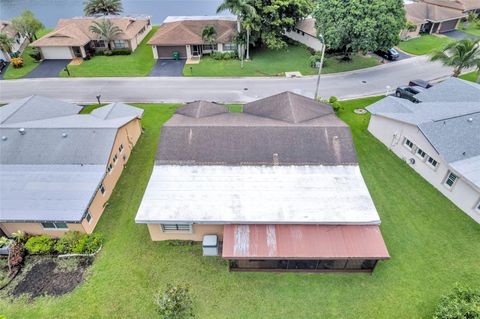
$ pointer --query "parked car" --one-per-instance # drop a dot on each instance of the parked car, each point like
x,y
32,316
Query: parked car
x,y
420,83
390,54
3,64
408,92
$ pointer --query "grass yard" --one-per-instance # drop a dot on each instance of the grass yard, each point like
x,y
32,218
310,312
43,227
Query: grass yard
x,y
471,29
424,44
266,62
472,76
432,243
139,63
28,62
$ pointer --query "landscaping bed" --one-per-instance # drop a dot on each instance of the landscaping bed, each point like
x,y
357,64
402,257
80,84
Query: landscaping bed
x,y
424,44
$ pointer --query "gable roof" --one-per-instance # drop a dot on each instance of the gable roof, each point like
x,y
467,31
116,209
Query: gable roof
x,y
421,12
189,31
117,110
76,31
463,5
307,25
200,109
451,90
7,27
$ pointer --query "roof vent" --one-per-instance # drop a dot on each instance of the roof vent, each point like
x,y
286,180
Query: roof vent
x,y
64,135
4,138
470,119
21,131
275,159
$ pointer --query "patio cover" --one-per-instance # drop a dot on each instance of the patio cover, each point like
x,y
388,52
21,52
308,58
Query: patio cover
x,y
287,241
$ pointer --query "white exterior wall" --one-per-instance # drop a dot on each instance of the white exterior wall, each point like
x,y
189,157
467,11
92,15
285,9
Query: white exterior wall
x,y
392,133
155,52
306,39
189,52
56,53
139,38
220,47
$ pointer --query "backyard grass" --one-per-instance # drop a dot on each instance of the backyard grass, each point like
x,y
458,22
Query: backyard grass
x,y
28,62
432,243
424,44
471,29
139,63
472,76
267,62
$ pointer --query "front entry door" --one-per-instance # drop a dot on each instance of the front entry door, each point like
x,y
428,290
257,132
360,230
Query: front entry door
x,y
77,52
196,50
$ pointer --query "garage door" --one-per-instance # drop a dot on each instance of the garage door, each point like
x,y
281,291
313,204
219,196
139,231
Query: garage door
x,y
167,52
448,26
56,53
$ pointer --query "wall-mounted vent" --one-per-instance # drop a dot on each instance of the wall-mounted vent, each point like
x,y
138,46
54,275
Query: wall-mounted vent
x,y
21,131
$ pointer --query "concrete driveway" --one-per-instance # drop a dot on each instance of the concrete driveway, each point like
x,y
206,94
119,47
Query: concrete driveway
x,y
168,68
459,35
48,69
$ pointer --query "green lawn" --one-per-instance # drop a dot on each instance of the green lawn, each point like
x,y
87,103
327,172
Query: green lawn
x,y
471,29
265,62
472,76
139,63
28,62
432,243
424,44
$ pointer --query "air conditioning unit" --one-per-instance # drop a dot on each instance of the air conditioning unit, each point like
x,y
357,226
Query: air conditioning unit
x,y
210,245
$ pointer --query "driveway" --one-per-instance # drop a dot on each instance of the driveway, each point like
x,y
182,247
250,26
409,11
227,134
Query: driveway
x,y
48,69
459,35
168,68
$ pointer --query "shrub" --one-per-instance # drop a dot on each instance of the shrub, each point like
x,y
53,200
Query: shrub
x,y
121,52
175,302
462,302
229,55
16,255
35,54
20,236
332,99
40,245
317,57
66,244
87,244
107,52
17,62
4,241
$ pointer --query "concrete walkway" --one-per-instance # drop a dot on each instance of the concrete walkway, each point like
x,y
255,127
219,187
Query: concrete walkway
x,y
366,82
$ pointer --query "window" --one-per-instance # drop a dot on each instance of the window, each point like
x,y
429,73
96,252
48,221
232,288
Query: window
x,y
124,157
209,47
54,226
88,217
100,44
102,189
450,180
431,162
109,168
119,44
408,144
177,228
115,158
120,148
477,207
420,153
229,47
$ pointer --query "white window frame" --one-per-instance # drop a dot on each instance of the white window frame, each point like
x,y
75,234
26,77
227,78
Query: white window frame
x,y
55,226
230,46
88,217
180,228
430,164
417,154
119,44
447,178
408,147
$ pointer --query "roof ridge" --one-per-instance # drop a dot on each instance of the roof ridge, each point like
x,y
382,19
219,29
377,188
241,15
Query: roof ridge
x,y
11,114
290,104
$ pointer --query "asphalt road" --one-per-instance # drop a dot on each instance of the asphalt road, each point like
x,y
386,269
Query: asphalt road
x,y
367,82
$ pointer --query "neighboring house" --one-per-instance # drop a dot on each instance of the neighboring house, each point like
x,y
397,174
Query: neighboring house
x,y
19,41
73,38
184,35
430,18
278,183
463,6
438,137
58,168
305,32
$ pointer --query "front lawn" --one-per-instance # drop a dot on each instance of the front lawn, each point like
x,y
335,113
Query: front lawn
x,y
28,62
432,243
424,44
265,62
139,63
471,76
471,29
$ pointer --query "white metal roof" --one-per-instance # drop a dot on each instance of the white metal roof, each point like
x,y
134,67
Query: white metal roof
x,y
257,194
469,168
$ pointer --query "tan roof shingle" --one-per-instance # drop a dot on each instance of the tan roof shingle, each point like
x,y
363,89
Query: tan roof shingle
x,y
421,12
7,27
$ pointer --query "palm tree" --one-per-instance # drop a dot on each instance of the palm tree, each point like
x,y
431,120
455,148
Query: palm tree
x,y
209,34
6,43
105,7
462,54
106,31
246,13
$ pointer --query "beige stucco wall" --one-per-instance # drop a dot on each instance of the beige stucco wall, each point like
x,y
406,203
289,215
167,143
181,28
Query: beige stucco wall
x,y
392,134
198,231
139,37
37,229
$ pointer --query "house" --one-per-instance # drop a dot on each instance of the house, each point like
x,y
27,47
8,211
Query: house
x,y
279,184
463,6
438,137
72,37
19,41
184,35
430,18
305,32
58,168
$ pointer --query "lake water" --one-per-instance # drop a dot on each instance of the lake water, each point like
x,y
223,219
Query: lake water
x,y
49,11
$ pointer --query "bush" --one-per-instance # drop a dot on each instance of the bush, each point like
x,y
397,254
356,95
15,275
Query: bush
x,y
107,52
35,54
175,302
4,241
40,245
87,244
317,57
17,62
229,55
16,255
20,236
461,303
113,52
67,243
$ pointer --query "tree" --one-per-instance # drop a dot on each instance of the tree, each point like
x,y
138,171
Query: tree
x,y
461,303
27,25
460,55
360,25
409,27
6,43
105,7
209,34
175,302
106,31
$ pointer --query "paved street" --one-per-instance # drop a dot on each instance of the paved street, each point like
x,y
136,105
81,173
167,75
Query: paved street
x,y
367,82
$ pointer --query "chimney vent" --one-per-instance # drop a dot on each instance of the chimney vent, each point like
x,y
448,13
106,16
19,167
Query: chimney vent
x,y
275,159
21,131
64,135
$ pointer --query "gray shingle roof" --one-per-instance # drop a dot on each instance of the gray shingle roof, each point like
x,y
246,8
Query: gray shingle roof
x,y
200,109
451,90
243,138
36,108
117,110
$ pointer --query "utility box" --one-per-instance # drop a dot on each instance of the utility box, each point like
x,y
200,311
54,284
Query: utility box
x,y
210,245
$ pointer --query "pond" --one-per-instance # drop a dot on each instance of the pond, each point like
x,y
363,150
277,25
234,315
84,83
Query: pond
x,y
49,11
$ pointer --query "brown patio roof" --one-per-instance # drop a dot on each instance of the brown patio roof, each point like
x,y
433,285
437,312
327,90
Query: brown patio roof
x,y
294,241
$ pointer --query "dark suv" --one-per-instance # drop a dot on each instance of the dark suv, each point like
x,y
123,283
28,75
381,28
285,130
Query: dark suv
x,y
408,92
390,54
